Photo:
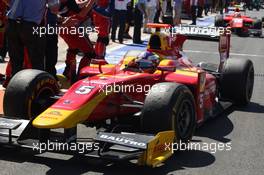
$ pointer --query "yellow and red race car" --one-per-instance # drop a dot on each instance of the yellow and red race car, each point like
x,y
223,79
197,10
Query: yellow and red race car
x,y
150,100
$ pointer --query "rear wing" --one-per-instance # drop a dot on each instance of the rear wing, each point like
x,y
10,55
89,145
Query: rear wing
x,y
191,31
176,40
198,32
223,37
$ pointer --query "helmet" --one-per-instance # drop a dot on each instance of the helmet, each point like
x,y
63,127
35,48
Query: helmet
x,y
237,9
147,61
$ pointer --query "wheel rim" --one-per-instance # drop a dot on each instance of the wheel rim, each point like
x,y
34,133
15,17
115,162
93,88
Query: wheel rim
x,y
250,83
183,118
42,101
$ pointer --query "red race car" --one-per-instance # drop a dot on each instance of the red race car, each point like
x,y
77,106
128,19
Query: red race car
x,y
149,100
242,25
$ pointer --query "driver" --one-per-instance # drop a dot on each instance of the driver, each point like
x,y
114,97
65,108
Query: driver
x,y
146,62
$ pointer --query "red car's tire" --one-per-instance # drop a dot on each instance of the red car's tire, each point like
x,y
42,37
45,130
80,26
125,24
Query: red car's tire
x,y
28,94
257,24
240,32
237,81
169,106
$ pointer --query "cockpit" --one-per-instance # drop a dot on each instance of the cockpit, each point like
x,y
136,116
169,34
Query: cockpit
x,y
146,62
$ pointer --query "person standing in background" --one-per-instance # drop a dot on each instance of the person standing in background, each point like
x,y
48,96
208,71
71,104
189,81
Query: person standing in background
x,y
138,19
177,8
51,51
129,19
221,6
194,6
207,6
3,39
158,12
119,17
23,17
200,8
151,7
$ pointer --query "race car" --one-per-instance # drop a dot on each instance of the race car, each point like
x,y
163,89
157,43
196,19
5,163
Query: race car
x,y
242,25
151,99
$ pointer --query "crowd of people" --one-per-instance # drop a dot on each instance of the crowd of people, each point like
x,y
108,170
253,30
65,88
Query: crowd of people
x,y
19,18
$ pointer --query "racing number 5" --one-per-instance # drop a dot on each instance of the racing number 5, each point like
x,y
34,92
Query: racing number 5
x,y
82,90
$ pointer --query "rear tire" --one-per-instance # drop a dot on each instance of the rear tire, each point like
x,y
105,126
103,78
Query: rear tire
x,y
28,94
173,109
240,32
257,24
237,81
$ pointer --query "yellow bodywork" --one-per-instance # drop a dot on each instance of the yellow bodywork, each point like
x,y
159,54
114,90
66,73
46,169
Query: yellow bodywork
x,y
157,151
163,39
56,118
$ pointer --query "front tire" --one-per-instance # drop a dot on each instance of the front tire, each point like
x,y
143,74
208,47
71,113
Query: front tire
x,y
28,94
169,106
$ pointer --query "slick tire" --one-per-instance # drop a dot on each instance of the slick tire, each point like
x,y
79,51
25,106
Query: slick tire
x,y
28,94
237,81
241,33
169,106
257,24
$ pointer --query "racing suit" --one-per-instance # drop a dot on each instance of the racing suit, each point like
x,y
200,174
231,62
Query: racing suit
x,y
101,19
3,21
76,43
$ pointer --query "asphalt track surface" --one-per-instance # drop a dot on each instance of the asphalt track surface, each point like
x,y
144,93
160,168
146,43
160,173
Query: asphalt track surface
x,y
242,127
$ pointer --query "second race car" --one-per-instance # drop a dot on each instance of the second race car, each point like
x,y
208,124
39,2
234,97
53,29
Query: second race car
x,y
240,23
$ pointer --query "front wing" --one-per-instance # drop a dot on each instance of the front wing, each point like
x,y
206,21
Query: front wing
x,y
147,150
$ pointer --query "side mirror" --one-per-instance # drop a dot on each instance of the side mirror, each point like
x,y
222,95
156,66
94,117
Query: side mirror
x,y
100,62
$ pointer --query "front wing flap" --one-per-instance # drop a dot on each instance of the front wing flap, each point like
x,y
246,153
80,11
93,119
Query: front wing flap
x,y
149,150
153,150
